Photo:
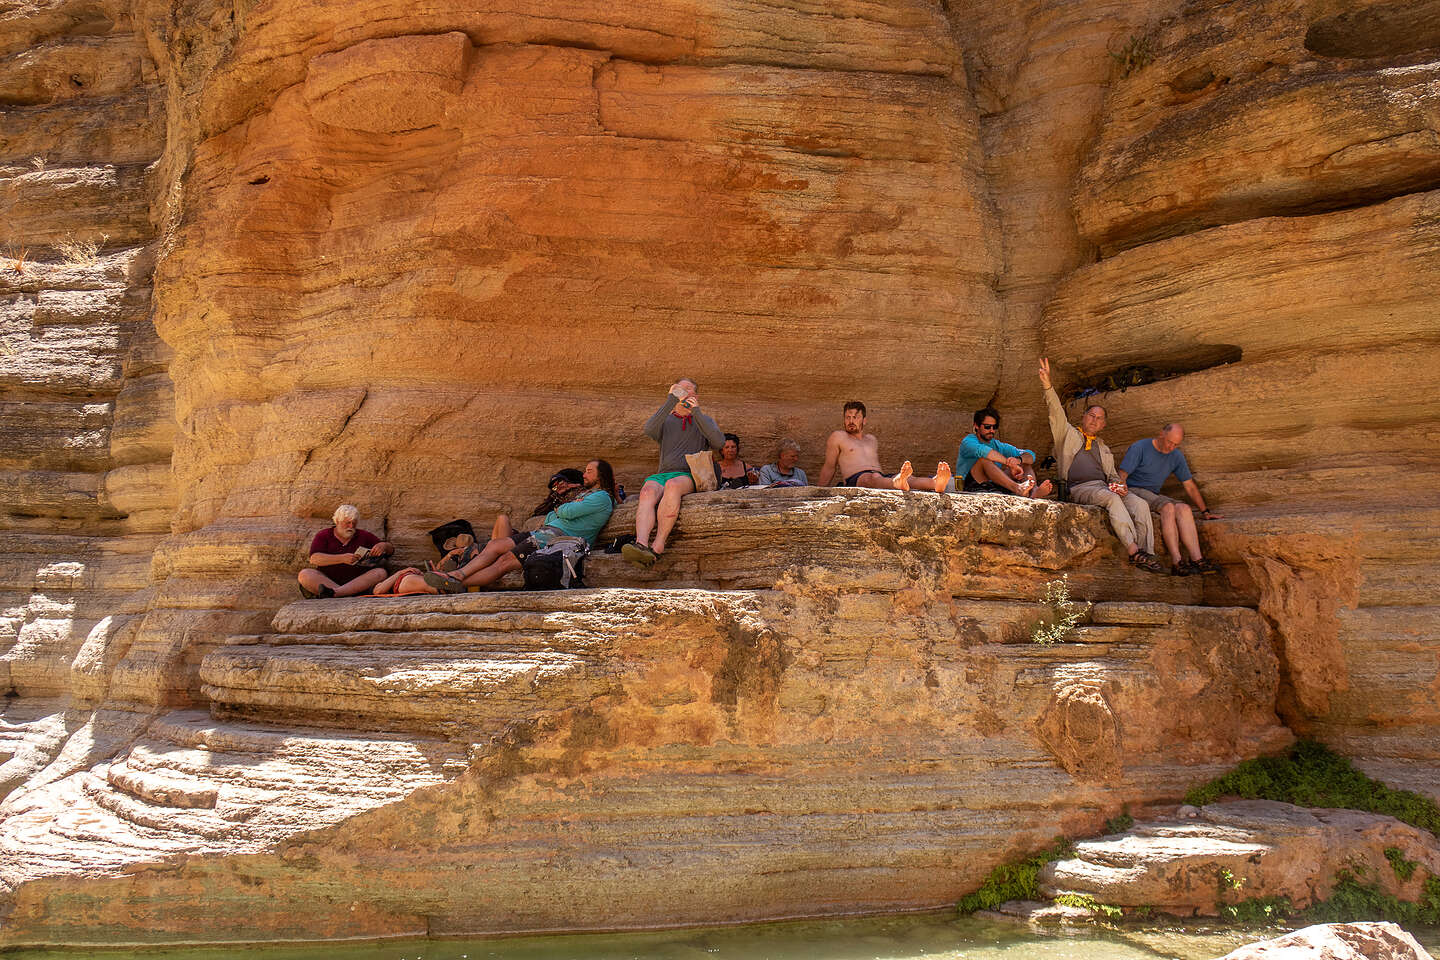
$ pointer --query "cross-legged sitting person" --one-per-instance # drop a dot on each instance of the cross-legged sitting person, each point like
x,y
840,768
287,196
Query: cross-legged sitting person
x,y
582,517
988,464
342,558
856,455
1146,466
680,429
1087,465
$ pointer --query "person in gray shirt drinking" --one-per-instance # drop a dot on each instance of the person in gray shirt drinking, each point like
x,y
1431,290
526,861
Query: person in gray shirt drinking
x,y
680,429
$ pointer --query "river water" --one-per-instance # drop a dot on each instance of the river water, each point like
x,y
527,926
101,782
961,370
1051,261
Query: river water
x,y
910,937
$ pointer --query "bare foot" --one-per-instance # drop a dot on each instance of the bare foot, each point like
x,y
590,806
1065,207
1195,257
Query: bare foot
x,y
943,475
1023,487
902,479
1044,490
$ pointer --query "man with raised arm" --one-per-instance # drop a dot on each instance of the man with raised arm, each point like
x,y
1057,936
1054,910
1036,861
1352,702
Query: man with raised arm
x,y
1084,461
1146,466
680,429
856,455
987,464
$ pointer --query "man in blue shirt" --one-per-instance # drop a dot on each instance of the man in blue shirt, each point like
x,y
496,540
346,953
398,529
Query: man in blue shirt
x,y
1146,466
987,464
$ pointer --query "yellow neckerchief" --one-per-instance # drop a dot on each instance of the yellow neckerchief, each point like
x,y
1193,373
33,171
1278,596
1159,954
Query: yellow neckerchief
x,y
1088,439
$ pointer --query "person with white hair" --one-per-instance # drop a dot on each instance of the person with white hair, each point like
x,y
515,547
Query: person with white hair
x,y
784,472
344,560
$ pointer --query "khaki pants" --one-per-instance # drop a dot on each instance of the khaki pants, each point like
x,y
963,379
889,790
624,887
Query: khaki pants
x,y
1129,515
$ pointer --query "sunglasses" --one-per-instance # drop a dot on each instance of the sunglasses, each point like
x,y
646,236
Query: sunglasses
x,y
989,426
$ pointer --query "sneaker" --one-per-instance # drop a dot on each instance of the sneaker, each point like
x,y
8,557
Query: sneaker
x,y
639,554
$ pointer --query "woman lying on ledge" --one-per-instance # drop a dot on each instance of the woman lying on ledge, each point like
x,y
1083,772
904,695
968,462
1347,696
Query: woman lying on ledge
x,y
583,517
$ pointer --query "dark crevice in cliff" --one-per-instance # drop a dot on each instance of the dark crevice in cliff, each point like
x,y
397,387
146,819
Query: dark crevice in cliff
x,y
1244,213
1385,30
1193,360
337,433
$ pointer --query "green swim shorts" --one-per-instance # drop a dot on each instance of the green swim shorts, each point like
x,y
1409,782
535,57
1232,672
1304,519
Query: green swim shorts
x,y
663,478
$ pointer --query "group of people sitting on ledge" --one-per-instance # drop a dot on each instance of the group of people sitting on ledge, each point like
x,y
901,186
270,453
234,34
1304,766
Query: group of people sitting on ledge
x,y
696,455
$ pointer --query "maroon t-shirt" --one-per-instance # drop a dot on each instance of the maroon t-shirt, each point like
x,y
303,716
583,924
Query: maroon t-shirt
x,y
326,542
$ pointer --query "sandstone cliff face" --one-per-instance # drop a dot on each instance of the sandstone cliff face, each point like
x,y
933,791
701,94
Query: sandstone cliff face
x,y
856,718
1287,153
415,256
86,402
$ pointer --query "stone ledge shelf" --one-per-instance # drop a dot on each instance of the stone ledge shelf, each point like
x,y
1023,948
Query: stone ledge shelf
x,y
859,721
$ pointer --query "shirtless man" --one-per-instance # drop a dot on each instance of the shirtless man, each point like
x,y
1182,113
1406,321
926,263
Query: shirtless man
x,y
857,456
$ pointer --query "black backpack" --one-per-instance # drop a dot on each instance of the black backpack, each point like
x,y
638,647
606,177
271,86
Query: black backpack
x,y
558,565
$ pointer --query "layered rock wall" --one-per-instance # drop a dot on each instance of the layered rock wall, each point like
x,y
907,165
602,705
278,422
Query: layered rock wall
x,y
87,409
848,717
416,256
1263,196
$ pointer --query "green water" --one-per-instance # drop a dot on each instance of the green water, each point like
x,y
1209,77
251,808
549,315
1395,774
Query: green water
x,y
922,937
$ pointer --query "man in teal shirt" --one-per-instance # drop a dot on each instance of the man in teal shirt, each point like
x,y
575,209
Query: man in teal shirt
x,y
988,464
584,517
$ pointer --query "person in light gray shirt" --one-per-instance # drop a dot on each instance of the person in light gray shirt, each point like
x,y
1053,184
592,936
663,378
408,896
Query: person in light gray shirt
x,y
784,472
680,429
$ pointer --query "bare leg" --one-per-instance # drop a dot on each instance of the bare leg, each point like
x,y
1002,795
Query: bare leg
x,y
502,565
645,512
1189,536
315,581
902,479
493,551
362,583
669,509
502,527
988,471
1168,531
875,480
387,586
414,583
1026,486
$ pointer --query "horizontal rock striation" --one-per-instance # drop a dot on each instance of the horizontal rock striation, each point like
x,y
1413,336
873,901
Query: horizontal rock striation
x,y
1242,111
86,402
416,256
832,738
1262,192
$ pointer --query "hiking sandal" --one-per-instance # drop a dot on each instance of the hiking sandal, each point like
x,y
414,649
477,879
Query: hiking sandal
x,y
1182,569
443,583
1204,566
1146,562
